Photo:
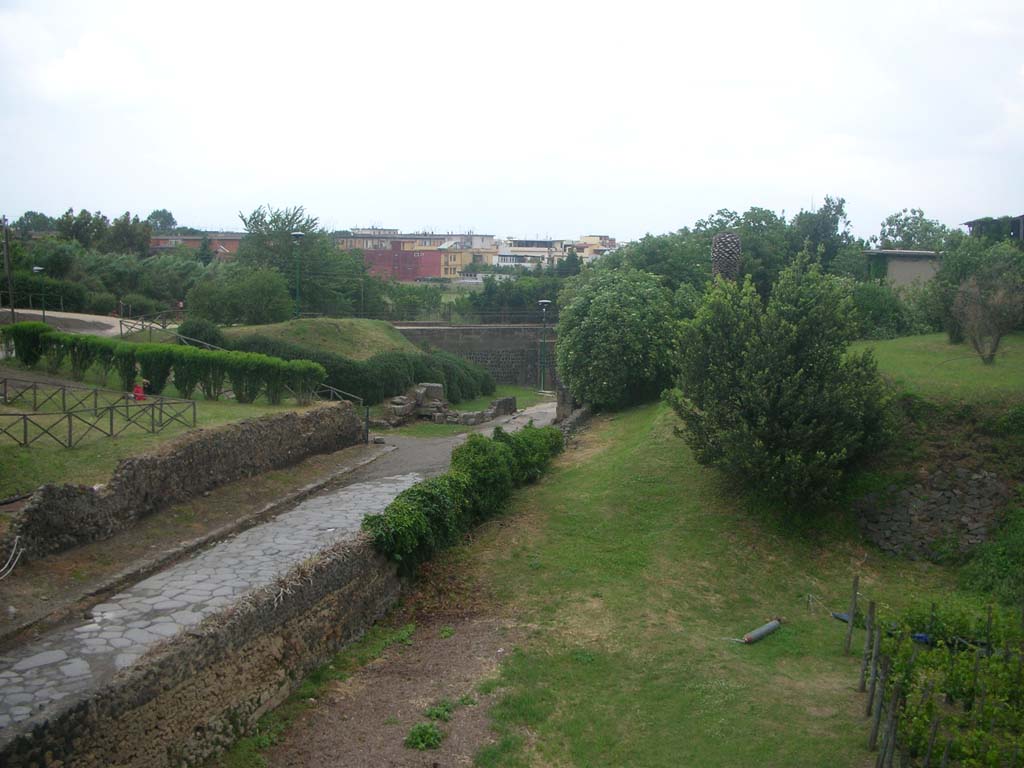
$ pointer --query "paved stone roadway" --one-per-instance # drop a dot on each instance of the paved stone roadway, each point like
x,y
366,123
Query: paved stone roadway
x,y
74,659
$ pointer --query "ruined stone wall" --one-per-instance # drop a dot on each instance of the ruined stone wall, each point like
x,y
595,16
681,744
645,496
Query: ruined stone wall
x,y
193,696
950,510
510,353
59,517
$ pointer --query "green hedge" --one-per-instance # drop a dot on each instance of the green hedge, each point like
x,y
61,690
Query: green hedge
x,y
27,339
433,514
251,374
385,374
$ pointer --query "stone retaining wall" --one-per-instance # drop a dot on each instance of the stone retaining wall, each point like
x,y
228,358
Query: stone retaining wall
x,y
950,510
59,517
193,696
510,353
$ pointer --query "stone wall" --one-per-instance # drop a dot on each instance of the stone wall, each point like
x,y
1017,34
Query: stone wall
x,y
193,696
59,517
510,353
949,510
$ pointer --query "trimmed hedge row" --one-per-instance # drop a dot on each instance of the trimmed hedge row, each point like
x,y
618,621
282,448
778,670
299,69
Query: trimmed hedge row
x,y
250,374
385,374
433,514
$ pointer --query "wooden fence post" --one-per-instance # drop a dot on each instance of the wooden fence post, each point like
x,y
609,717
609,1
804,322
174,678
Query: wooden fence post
x,y
869,631
851,615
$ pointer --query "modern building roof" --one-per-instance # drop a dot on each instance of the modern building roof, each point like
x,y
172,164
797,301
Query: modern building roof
x,y
904,252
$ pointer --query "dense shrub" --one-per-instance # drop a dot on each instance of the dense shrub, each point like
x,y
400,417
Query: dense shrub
x,y
995,566
304,377
200,329
213,369
38,290
186,370
489,464
155,362
100,303
135,304
383,375
124,362
27,339
237,294
616,337
54,351
433,514
81,350
768,393
880,313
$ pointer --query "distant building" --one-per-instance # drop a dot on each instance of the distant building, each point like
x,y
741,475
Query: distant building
x,y
590,247
402,264
532,252
223,245
998,228
902,266
417,255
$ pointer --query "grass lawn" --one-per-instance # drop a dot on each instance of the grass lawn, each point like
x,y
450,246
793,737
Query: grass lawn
x,y
350,337
632,565
931,367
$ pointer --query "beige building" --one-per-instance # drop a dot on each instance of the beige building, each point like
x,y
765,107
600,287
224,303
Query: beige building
x,y
903,267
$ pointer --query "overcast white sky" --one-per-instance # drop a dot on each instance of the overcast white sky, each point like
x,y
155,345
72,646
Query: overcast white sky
x,y
525,118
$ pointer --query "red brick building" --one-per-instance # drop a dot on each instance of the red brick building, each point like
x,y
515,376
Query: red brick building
x,y
403,265
223,245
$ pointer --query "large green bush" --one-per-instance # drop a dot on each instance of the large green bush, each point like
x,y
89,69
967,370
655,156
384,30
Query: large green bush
x,y
617,335
435,513
768,393
201,329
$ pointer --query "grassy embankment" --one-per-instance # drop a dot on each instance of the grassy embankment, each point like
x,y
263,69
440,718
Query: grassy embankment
x,y
629,568
349,337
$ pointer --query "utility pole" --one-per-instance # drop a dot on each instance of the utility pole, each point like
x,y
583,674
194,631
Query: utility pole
x,y
7,266
296,239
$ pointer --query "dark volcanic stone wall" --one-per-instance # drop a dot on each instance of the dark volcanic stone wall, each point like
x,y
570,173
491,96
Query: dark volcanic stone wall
x,y
950,510
59,517
511,353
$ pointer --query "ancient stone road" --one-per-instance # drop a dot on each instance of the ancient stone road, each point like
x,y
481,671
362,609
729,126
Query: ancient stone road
x,y
81,657
78,658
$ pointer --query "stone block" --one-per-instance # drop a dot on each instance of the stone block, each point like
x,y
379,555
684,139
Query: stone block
x,y
431,391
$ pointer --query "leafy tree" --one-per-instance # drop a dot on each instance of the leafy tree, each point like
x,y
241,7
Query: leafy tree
x,y
989,303
910,229
768,393
33,222
510,300
241,294
682,257
161,220
89,229
825,231
570,265
205,251
57,257
329,280
127,234
616,337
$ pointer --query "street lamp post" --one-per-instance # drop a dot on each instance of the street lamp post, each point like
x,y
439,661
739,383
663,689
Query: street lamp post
x,y
543,304
37,271
296,239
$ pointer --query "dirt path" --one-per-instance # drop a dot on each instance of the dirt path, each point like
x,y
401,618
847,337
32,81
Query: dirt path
x,y
73,322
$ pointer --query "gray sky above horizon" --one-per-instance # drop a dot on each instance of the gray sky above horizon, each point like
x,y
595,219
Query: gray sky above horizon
x,y
534,118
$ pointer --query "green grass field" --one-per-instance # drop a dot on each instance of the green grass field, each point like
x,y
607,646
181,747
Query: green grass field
x,y
350,337
633,565
931,367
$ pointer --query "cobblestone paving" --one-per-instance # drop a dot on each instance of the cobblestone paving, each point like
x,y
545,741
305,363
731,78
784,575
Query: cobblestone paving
x,y
74,659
